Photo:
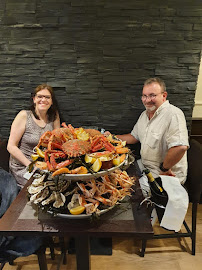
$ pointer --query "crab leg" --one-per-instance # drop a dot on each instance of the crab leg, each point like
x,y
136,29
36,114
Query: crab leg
x,y
103,200
44,139
84,190
97,147
64,125
64,163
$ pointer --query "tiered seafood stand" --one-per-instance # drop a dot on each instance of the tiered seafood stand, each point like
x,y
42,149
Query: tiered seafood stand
x,y
115,215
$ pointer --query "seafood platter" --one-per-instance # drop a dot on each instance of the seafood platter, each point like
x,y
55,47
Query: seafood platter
x,y
79,172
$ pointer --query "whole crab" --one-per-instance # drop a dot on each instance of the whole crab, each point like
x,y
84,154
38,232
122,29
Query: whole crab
x,y
75,148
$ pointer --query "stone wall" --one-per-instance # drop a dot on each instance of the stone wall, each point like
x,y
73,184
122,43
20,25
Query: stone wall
x,y
97,54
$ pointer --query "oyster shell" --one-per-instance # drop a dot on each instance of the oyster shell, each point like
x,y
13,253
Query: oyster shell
x,y
74,201
41,196
38,181
32,189
50,199
59,200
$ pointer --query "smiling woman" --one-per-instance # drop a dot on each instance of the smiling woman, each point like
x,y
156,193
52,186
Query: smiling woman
x,y
27,128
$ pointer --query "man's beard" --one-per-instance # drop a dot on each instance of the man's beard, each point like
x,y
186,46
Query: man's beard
x,y
150,109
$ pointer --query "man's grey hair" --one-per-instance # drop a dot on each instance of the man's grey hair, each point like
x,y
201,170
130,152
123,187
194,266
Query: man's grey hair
x,y
156,80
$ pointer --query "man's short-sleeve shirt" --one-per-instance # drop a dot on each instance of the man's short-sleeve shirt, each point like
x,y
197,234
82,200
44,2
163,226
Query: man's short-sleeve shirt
x,y
166,129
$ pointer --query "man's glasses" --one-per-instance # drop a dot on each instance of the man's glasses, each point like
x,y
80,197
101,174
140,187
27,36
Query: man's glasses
x,y
151,97
43,96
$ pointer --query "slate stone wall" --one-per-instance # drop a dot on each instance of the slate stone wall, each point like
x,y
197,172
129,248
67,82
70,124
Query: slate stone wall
x,y
97,54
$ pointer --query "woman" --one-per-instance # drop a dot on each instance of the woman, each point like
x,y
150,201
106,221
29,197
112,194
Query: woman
x,y
27,128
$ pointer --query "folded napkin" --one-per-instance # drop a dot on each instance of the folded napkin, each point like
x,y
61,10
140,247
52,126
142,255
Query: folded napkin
x,y
177,205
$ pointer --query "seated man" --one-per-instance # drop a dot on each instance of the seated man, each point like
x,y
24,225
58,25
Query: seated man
x,y
161,130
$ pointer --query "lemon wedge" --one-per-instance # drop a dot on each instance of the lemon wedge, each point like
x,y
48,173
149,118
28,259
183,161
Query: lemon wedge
x,y
34,157
77,210
89,159
40,152
96,165
117,161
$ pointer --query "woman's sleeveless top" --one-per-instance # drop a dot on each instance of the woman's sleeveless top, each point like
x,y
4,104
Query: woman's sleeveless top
x,y
28,141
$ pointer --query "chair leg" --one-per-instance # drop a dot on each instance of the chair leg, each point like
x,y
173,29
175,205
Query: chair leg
x,y
63,249
2,265
50,244
193,237
144,243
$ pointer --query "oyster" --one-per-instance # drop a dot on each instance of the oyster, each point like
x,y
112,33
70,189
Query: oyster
x,y
74,201
59,199
41,196
50,199
33,189
38,181
63,185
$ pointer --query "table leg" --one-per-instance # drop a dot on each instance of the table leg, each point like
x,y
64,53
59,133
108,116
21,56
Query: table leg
x,y
83,253
42,259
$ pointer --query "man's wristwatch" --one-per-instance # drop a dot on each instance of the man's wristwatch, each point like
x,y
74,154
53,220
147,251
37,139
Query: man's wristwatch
x,y
162,168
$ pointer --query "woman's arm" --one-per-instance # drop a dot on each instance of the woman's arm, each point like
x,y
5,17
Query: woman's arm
x,y
56,123
17,130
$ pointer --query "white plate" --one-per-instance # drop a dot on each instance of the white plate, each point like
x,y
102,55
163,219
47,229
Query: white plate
x,y
82,216
88,176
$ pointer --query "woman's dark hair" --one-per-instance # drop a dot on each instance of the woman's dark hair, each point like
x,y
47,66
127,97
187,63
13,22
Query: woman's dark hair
x,y
52,111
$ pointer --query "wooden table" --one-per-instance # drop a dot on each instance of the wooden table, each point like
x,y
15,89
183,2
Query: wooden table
x,y
124,220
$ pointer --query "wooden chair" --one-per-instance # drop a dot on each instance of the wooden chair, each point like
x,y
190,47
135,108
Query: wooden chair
x,y
193,186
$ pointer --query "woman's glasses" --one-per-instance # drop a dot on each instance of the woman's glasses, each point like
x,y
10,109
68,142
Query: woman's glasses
x,y
43,96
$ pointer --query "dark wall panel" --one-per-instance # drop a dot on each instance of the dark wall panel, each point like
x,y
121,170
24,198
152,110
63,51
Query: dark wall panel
x,y
97,54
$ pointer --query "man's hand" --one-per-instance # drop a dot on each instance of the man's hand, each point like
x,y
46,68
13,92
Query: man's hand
x,y
173,156
106,133
169,172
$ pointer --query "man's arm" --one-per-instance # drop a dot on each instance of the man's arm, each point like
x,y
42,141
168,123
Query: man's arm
x,y
173,156
128,138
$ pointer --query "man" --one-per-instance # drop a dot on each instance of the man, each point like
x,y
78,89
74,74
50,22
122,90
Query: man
x,y
161,130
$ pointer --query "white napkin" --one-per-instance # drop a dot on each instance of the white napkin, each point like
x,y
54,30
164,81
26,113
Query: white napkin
x,y
177,205
178,201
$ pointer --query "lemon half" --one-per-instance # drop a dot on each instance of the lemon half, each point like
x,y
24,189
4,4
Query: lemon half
x,y
77,210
